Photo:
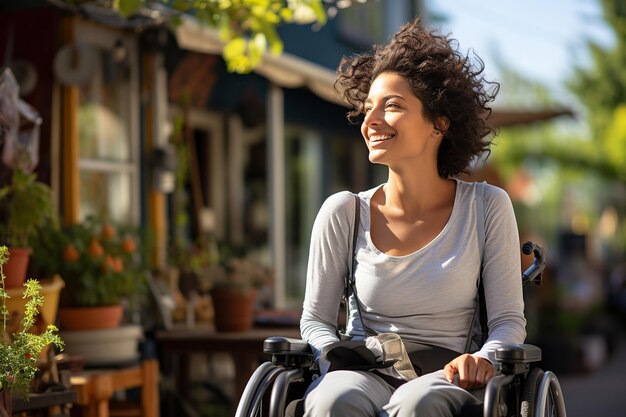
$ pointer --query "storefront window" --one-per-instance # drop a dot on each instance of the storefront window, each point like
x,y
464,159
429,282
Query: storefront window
x,y
108,131
100,191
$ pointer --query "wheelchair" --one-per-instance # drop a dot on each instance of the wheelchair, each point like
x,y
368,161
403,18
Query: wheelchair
x,y
519,388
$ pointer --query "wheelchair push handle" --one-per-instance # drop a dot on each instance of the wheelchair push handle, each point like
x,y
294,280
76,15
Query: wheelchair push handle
x,y
533,273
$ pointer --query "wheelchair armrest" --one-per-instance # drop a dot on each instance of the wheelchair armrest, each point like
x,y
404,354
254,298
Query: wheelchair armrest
x,y
278,345
516,359
519,353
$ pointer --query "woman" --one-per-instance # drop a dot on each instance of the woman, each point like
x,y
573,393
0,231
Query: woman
x,y
418,250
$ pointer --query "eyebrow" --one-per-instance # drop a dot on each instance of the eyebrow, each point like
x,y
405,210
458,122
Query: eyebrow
x,y
386,98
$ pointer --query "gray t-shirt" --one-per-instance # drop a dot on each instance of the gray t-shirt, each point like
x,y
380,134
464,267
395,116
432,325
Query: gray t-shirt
x,y
428,296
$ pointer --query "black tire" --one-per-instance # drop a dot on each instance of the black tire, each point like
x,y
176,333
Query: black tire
x,y
251,402
529,395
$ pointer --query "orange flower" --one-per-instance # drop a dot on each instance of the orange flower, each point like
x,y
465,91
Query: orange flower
x,y
113,263
119,264
95,248
108,232
70,253
129,245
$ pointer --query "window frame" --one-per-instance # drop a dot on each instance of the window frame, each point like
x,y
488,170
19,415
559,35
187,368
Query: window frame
x,y
105,38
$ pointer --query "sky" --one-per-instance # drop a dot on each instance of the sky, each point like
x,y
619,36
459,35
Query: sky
x,y
543,39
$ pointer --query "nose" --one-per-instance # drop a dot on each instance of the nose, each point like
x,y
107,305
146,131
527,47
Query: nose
x,y
373,117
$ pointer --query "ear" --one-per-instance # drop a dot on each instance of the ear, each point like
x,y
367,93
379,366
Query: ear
x,y
442,123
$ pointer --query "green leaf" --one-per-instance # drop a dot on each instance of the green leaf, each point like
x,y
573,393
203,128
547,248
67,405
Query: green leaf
x,y
176,20
127,7
224,28
274,41
235,55
235,48
256,48
319,11
615,139
286,14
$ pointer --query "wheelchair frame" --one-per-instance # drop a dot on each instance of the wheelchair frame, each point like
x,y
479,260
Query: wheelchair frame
x,y
517,390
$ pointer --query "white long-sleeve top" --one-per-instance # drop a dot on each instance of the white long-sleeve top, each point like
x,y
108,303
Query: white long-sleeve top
x,y
428,296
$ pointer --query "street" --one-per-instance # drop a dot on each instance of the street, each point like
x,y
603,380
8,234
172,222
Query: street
x,y
599,394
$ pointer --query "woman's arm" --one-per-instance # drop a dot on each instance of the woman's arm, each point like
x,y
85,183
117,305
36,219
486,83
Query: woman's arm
x,y
501,274
327,267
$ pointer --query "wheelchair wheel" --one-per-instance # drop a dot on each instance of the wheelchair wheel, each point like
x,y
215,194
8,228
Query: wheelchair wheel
x,y
531,385
542,396
251,402
266,391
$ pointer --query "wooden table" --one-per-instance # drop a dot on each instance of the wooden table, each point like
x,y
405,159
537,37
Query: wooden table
x,y
246,349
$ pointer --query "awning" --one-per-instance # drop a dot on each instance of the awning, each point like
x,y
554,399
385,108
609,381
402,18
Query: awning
x,y
285,70
290,71
506,118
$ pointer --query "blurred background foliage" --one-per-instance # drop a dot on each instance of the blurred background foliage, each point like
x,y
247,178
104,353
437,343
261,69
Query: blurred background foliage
x,y
586,156
567,179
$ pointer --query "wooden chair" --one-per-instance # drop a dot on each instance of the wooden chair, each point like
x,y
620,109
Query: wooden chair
x,y
95,389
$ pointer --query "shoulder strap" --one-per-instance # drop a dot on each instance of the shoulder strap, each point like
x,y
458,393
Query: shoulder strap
x,y
351,282
480,311
348,285
355,233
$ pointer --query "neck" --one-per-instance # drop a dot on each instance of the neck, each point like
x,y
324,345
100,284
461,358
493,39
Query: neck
x,y
418,191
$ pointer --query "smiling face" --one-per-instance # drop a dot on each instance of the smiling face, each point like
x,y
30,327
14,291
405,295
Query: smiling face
x,y
395,128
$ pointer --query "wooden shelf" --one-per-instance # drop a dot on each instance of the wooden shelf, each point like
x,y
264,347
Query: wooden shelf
x,y
44,400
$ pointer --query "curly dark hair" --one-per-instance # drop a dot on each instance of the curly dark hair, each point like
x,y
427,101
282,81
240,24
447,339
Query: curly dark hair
x,y
447,82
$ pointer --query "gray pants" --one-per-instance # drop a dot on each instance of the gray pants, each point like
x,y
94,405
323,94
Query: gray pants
x,y
364,394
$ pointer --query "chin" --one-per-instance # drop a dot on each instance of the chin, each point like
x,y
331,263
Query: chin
x,y
376,156
377,160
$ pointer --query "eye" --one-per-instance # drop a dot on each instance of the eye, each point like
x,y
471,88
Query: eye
x,y
367,109
392,105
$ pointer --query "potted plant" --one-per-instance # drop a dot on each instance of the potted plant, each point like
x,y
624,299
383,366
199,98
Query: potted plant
x,y
19,351
234,291
102,267
26,207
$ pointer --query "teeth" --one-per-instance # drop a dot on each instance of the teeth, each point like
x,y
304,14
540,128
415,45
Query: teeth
x,y
375,138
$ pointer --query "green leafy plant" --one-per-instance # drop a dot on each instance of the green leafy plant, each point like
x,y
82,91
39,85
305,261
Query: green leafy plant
x,y
19,351
247,27
100,263
219,264
244,273
27,206
237,268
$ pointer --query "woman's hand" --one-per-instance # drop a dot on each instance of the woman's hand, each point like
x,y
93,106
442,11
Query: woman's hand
x,y
474,372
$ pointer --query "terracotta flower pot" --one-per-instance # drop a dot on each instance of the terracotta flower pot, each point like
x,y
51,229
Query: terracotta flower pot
x,y
234,308
15,269
90,318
